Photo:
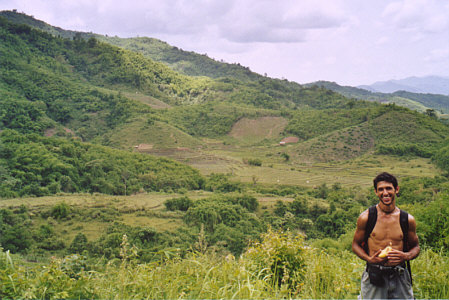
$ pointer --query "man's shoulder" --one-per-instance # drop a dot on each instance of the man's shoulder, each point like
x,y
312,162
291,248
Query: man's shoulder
x,y
363,218
364,214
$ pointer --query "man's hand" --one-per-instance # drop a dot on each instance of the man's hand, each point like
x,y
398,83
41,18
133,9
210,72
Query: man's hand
x,y
396,257
376,260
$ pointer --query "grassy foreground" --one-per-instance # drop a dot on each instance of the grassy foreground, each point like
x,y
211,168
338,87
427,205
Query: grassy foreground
x,y
281,266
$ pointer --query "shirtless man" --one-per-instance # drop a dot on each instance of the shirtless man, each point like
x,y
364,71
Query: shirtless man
x,y
385,278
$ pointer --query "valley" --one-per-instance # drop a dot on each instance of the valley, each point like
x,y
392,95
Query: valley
x,y
125,163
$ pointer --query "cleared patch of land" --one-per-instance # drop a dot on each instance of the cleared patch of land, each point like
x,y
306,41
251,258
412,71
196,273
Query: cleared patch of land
x,y
152,102
301,171
258,129
149,132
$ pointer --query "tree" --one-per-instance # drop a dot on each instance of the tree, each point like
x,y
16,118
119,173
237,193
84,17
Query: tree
x,y
14,234
182,203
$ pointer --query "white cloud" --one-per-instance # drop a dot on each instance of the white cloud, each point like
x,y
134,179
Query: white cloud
x,y
438,55
277,21
346,41
383,40
418,15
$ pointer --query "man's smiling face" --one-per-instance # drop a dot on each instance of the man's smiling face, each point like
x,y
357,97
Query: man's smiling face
x,y
386,192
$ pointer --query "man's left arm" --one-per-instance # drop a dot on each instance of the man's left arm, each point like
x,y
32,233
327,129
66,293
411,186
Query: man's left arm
x,y
413,243
396,257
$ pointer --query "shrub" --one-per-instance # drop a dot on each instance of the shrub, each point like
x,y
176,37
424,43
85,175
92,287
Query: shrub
x,y
14,235
254,162
182,203
60,211
79,243
246,201
221,183
280,208
280,256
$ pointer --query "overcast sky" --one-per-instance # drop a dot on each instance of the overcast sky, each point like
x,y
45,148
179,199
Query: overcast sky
x,y
351,42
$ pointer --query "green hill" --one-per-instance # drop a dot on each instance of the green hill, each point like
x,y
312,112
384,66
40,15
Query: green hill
x,y
81,85
392,130
88,89
194,64
185,62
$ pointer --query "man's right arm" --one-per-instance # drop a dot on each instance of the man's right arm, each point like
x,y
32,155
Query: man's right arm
x,y
359,238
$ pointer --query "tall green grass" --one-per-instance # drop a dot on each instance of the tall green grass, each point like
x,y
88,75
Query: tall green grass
x,y
306,273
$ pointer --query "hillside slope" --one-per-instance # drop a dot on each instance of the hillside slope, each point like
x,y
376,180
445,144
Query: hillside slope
x,y
186,62
90,90
391,130
413,100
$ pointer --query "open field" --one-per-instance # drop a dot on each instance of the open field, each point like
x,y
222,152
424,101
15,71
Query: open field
x,y
140,201
158,135
275,169
251,131
351,173
92,214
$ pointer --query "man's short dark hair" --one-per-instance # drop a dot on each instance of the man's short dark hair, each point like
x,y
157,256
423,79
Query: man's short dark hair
x,y
385,177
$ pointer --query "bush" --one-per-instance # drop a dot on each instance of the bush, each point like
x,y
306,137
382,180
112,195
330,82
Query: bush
x,y
404,149
254,162
280,256
60,211
51,244
245,201
14,233
182,203
221,183
79,243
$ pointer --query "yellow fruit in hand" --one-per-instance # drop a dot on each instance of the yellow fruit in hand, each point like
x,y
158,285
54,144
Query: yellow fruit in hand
x,y
385,251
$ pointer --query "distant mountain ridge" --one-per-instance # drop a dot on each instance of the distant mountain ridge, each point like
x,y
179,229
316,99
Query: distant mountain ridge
x,y
413,100
423,85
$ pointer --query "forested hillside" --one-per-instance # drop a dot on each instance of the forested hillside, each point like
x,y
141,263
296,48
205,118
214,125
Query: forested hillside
x,y
119,170
185,62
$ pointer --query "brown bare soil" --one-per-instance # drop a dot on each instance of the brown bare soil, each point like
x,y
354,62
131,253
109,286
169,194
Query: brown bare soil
x,y
143,147
263,127
290,139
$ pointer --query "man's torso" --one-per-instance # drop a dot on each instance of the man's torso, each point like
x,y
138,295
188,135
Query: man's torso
x,y
386,232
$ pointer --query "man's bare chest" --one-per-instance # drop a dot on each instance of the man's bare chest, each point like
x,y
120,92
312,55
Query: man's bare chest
x,y
387,229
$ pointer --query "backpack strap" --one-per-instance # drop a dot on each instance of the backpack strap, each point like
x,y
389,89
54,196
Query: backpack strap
x,y
403,220
372,220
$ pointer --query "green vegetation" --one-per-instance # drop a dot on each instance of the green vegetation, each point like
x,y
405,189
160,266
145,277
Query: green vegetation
x,y
35,165
240,217
307,124
279,267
